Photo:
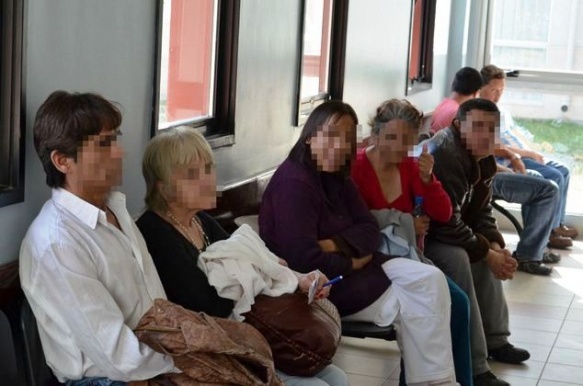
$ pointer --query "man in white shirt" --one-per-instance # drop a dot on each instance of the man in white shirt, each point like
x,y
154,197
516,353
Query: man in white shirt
x,y
84,265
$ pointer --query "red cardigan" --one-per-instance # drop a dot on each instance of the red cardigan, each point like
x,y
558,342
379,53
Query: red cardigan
x,y
436,202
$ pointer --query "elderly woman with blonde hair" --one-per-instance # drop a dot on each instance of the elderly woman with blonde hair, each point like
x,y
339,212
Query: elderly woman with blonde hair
x,y
179,170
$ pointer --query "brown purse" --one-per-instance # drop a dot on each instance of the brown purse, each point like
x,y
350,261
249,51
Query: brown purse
x,y
303,337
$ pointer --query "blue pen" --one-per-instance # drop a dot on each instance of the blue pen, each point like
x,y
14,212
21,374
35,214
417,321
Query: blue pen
x,y
333,281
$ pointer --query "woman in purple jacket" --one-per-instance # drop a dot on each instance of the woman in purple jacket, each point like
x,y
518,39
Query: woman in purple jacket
x,y
312,216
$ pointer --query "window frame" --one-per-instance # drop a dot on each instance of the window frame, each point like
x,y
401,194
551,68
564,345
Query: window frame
x,y
336,62
427,35
219,129
12,114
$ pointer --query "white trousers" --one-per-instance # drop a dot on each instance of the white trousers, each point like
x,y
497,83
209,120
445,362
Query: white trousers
x,y
419,306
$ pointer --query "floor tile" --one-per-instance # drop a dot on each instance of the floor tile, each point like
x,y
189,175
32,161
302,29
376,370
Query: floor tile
x,y
546,318
363,380
532,286
535,337
537,352
575,314
574,342
577,303
519,381
529,369
533,323
370,348
562,373
571,327
542,382
537,310
369,366
564,356
388,382
542,299
396,373
574,261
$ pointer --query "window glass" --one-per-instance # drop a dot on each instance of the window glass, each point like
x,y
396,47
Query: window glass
x,y
420,70
545,36
316,45
11,115
187,62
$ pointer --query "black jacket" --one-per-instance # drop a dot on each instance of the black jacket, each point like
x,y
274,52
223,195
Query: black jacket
x,y
176,260
468,184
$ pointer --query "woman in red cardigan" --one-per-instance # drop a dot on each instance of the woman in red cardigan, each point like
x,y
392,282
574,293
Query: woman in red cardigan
x,y
389,177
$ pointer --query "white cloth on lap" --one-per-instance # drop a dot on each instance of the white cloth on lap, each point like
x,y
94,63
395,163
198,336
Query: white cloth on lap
x,y
242,267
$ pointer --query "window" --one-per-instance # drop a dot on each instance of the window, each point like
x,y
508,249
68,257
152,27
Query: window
x,y
543,39
420,64
323,28
196,71
521,33
11,114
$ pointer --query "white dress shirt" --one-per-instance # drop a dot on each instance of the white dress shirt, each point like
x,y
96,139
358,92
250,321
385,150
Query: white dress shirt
x,y
88,284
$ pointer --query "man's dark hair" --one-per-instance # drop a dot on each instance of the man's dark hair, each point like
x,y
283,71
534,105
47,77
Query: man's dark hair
x,y
327,112
475,104
64,121
467,81
490,72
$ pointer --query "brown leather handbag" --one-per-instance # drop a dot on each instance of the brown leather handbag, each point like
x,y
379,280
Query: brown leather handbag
x,y
303,337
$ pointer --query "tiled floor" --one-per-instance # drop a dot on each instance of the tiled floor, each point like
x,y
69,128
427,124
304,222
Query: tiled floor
x,y
546,317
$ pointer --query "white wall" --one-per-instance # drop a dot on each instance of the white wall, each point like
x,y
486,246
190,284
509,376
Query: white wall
x,y
100,46
376,55
107,46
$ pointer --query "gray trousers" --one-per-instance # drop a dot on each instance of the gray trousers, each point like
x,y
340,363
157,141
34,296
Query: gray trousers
x,y
488,309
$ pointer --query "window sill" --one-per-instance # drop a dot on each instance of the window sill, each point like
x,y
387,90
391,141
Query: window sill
x,y
221,141
11,196
418,87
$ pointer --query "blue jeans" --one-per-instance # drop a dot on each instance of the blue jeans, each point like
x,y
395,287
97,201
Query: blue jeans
x,y
460,336
331,376
540,201
95,381
558,173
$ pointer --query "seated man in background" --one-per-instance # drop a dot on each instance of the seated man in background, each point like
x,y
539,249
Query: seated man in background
x,y
535,163
469,248
465,86
84,266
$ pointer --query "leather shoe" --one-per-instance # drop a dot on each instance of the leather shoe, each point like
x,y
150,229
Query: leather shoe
x,y
534,267
566,231
509,354
489,379
559,242
550,257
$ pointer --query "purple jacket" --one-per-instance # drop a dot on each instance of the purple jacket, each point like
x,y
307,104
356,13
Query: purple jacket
x,y
300,207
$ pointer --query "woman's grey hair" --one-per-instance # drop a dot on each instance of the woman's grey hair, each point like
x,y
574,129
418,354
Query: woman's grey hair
x,y
395,109
165,153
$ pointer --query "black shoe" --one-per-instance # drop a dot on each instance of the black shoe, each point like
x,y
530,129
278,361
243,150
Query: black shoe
x,y
509,354
534,267
489,379
550,257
